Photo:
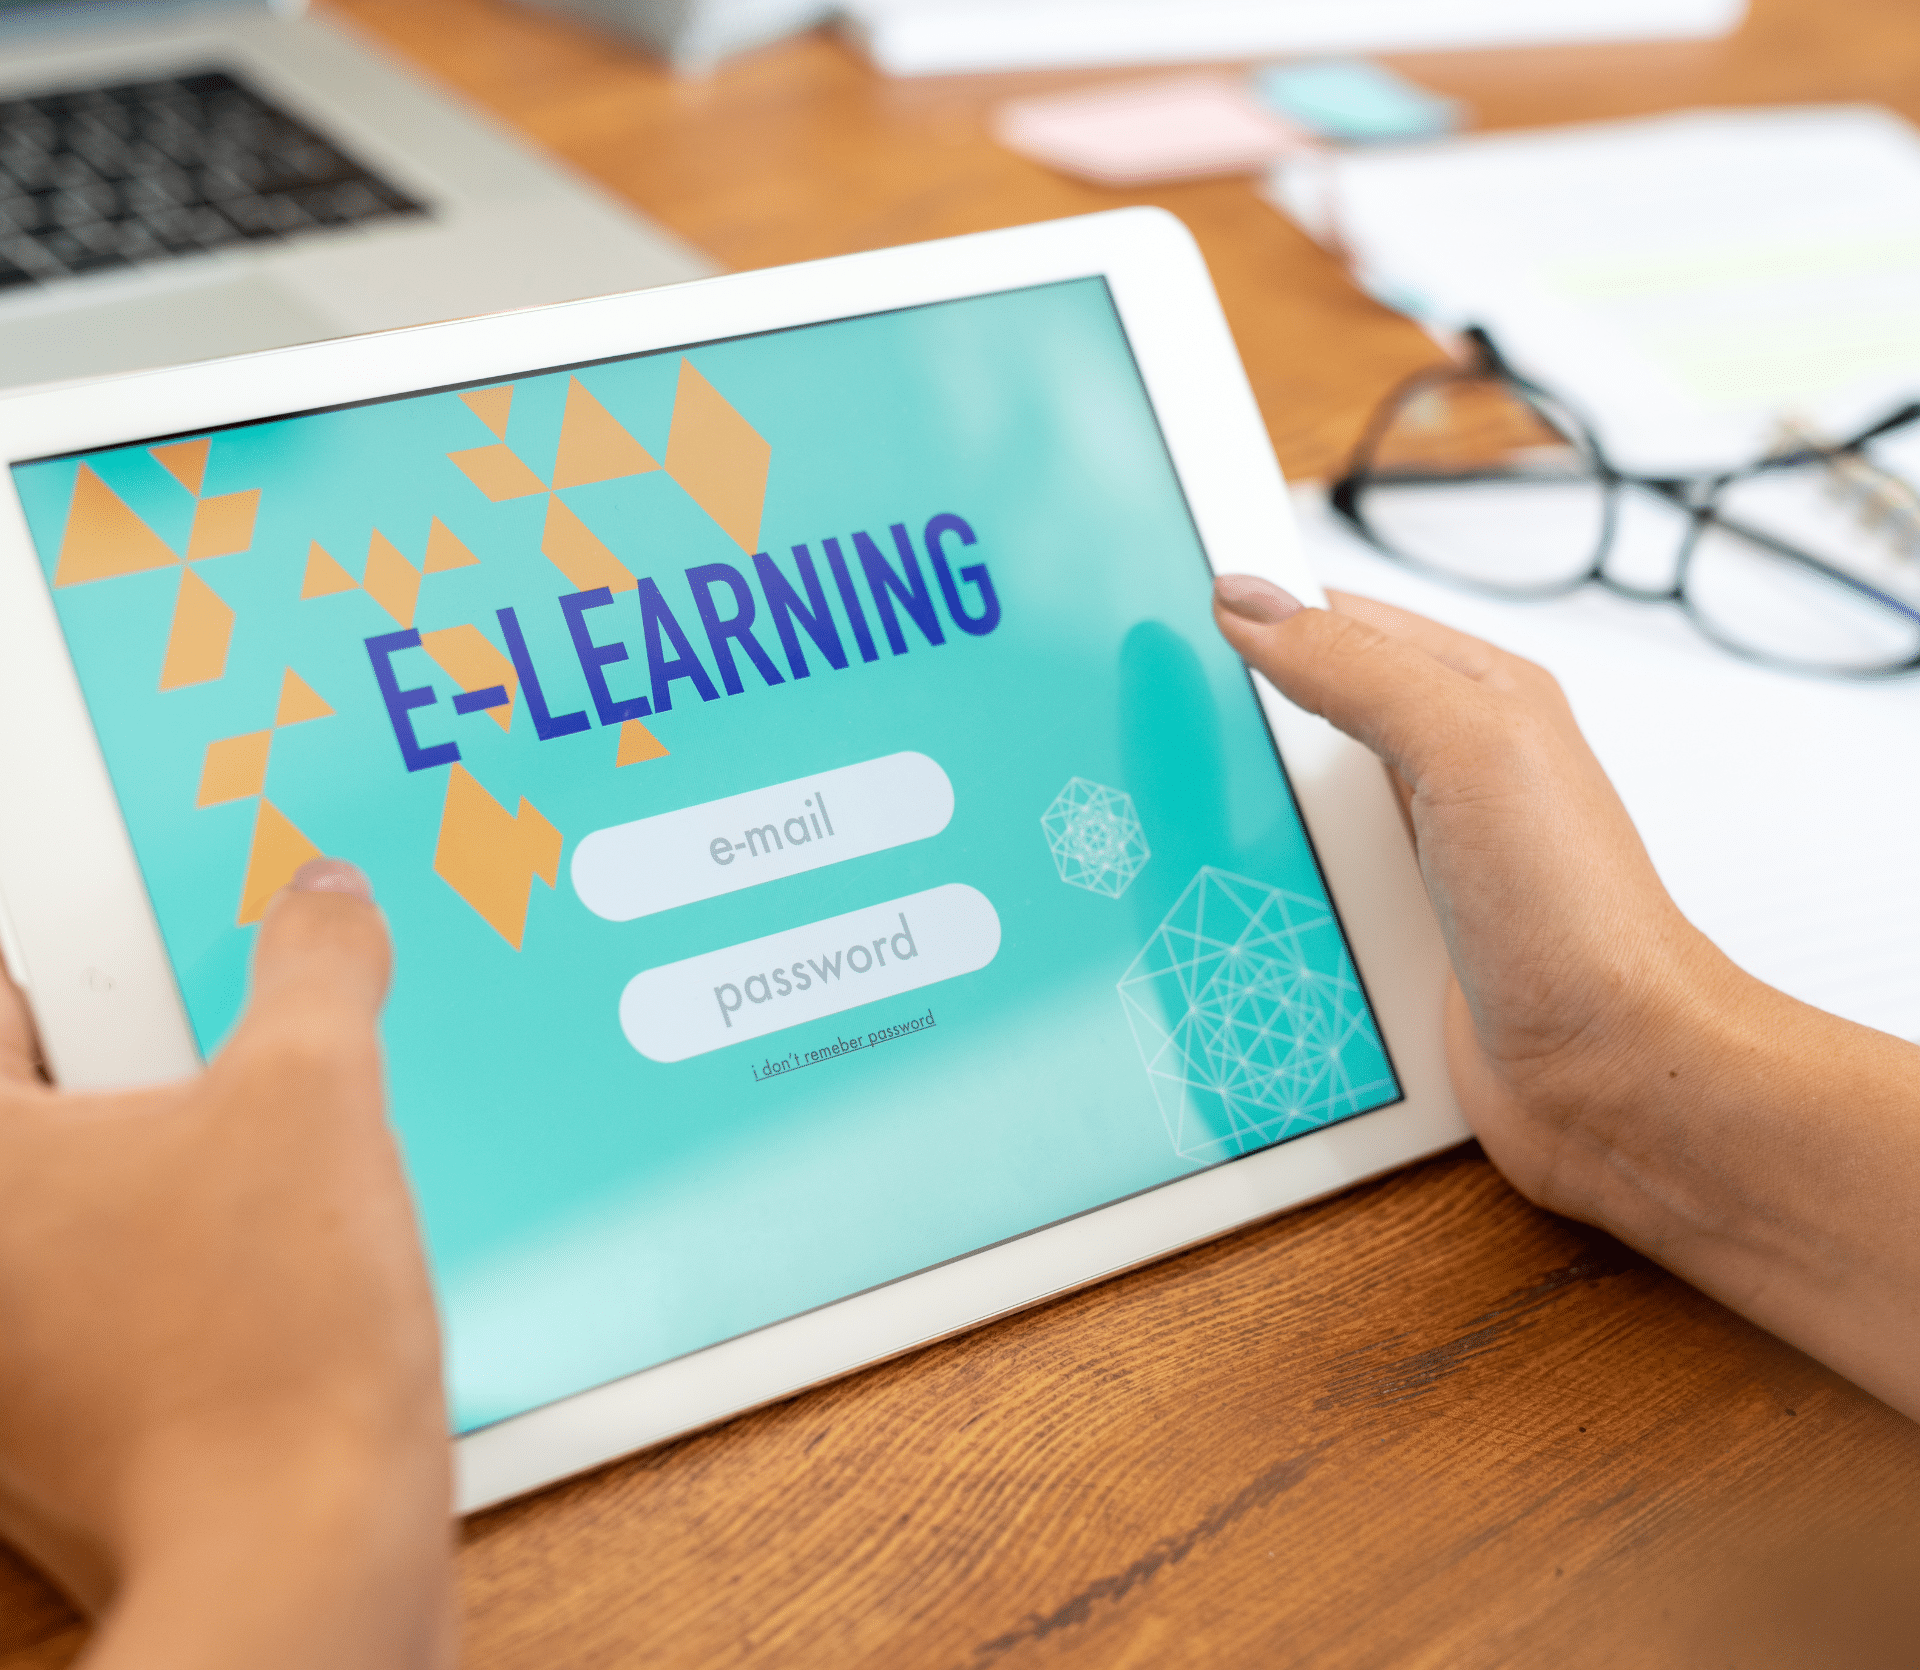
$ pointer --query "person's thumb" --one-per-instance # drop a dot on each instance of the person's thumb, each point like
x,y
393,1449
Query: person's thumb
x,y
1386,692
19,1050
321,964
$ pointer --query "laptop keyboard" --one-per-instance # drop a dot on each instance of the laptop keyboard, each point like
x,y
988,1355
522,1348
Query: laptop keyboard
x,y
143,171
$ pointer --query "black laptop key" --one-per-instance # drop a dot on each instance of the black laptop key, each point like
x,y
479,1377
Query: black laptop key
x,y
144,171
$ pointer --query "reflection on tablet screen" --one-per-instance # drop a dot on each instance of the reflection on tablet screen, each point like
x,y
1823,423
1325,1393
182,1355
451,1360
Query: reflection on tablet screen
x,y
822,831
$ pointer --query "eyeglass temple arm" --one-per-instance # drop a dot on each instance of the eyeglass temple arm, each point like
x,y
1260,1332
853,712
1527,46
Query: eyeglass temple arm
x,y
1487,352
1893,420
1816,452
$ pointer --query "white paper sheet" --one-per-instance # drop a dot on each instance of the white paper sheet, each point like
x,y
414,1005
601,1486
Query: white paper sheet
x,y
1782,812
1684,279
949,37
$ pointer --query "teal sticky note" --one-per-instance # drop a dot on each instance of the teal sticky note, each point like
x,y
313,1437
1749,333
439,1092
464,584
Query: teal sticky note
x,y
1351,99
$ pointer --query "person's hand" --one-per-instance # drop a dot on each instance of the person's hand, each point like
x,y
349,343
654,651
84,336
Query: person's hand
x,y
221,1419
1568,954
1616,1066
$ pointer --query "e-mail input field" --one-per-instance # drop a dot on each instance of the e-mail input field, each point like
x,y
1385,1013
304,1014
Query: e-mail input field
x,y
721,846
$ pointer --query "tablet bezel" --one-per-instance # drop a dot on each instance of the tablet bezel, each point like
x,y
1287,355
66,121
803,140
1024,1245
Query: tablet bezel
x,y
79,933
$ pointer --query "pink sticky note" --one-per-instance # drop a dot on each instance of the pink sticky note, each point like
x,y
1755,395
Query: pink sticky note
x,y
1174,128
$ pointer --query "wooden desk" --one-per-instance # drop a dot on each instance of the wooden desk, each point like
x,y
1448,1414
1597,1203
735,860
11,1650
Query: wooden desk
x,y
1421,1424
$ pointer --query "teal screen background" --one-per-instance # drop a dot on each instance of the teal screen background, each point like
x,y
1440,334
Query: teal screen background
x,y
591,1212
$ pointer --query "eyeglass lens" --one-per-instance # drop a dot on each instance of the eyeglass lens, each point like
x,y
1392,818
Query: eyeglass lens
x,y
1832,598
1497,487
1468,476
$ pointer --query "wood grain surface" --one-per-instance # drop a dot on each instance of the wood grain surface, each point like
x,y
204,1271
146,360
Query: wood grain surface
x,y
1420,1424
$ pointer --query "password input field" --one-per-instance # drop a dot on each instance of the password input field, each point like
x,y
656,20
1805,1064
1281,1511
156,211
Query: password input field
x,y
747,991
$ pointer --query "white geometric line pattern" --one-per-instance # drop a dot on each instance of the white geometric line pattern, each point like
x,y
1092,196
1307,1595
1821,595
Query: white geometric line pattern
x,y
1250,1019
1095,838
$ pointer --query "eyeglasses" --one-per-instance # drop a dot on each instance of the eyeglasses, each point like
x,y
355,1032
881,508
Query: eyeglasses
x,y
1807,560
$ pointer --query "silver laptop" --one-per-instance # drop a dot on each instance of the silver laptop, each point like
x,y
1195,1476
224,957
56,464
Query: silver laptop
x,y
181,181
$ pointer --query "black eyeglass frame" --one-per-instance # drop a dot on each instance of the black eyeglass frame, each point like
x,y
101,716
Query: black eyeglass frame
x,y
1696,495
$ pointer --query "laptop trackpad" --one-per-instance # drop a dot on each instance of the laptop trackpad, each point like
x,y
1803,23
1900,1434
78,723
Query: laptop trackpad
x,y
165,325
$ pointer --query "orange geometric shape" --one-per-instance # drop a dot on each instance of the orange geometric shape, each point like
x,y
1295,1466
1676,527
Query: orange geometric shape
x,y
236,767
186,462
278,850
444,551
491,407
593,445
104,538
202,629
324,576
474,664
570,545
718,457
299,701
391,581
489,856
637,743
498,472
223,525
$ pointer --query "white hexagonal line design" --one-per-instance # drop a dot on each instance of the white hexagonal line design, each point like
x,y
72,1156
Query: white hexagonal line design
x,y
1095,838
1250,1019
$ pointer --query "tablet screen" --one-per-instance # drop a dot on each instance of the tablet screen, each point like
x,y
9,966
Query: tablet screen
x,y
822,830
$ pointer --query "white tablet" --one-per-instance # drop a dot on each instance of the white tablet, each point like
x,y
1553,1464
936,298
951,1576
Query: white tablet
x,y
843,886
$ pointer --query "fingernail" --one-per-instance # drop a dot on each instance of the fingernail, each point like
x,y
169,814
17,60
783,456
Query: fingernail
x,y
1254,599
331,875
